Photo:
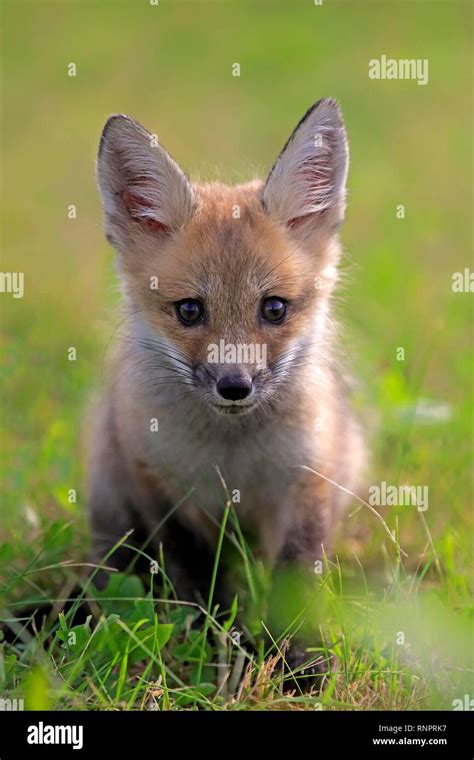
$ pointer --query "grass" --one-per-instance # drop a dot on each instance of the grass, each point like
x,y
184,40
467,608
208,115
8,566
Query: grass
x,y
410,145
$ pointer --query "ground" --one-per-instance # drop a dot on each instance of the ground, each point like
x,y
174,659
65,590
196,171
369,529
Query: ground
x,y
398,612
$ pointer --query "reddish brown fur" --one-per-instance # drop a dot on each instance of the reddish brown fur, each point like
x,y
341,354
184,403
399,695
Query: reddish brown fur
x,y
230,263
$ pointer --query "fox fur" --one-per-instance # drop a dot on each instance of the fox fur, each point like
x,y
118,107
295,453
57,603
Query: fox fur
x,y
160,428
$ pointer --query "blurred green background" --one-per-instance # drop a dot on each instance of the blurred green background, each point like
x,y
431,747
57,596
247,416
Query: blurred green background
x,y
170,67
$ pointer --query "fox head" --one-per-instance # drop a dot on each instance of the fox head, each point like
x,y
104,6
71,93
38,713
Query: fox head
x,y
227,288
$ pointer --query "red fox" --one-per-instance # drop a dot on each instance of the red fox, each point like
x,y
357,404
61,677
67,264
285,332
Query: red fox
x,y
228,356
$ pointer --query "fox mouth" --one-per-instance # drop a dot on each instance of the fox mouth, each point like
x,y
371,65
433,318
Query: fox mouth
x,y
235,409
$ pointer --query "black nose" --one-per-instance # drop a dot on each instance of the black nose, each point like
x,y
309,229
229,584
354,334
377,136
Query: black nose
x,y
233,388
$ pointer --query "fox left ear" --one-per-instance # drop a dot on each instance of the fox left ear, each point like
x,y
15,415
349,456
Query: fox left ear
x,y
142,187
308,181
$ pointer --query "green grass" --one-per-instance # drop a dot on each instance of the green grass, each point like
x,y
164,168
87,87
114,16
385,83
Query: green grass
x,y
170,67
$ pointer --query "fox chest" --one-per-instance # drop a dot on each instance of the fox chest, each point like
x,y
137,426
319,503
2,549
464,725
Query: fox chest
x,y
201,478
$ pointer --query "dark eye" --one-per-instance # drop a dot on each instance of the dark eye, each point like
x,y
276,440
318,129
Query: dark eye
x,y
273,309
189,311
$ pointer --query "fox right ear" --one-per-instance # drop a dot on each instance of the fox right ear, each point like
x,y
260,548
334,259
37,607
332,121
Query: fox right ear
x,y
306,187
142,188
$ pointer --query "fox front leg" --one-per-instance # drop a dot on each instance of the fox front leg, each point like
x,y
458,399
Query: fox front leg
x,y
297,599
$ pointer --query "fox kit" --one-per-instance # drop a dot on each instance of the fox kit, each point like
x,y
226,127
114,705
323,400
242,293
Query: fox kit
x,y
225,371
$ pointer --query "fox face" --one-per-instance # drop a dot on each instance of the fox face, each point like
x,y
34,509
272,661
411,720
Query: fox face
x,y
227,288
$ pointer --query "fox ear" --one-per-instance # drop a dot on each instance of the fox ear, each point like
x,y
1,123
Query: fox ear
x,y
306,185
142,188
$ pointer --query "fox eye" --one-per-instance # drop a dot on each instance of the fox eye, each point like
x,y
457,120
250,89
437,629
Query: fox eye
x,y
273,309
189,311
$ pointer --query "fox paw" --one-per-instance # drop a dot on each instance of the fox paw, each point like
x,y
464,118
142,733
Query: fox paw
x,y
306,670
